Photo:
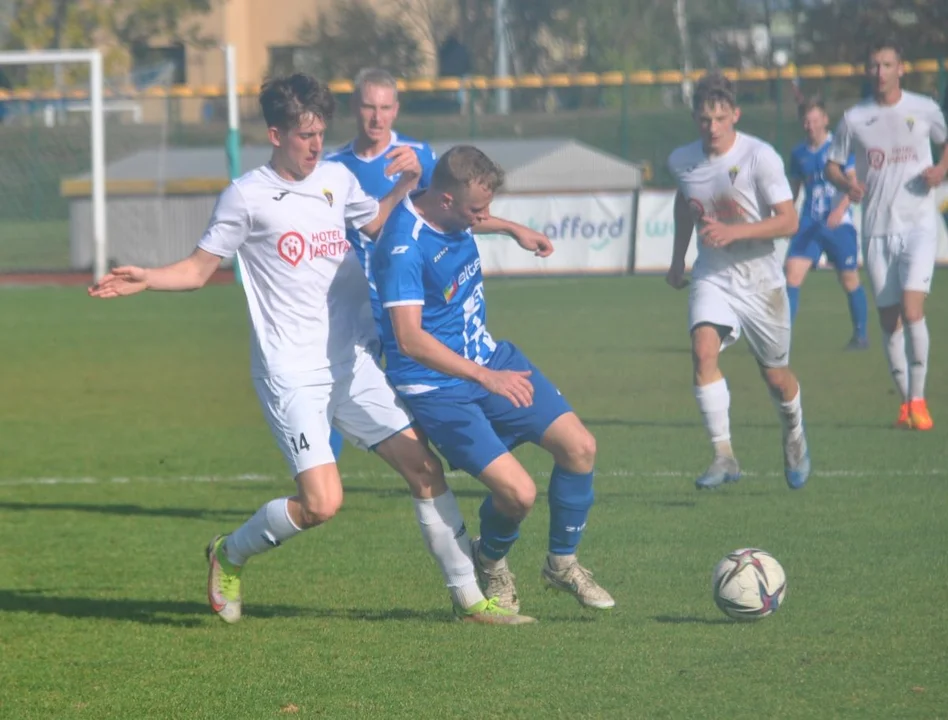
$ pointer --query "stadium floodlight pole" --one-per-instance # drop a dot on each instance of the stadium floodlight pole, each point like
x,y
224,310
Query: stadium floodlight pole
x,y
94,58
501,66
681,21
233,123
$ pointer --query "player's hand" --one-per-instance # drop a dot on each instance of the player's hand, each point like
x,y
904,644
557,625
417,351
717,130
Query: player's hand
x,y
856,191
835,218
126,280
511,384
404,161
533,240
933,176
676,276
715,233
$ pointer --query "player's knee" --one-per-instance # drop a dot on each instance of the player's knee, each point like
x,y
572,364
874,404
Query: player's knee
x,y
580,455
425,476
315,512
890,318
518,501
912,314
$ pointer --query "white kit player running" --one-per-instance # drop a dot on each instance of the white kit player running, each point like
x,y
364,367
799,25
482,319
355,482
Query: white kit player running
x,y
311,325
890,133
733,187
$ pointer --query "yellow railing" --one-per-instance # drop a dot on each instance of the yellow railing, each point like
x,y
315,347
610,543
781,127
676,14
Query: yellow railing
x,y
479,82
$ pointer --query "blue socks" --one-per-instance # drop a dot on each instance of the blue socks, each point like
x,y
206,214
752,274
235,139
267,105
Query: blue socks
x,y
858,311
498,532
335,442
794,294
571,497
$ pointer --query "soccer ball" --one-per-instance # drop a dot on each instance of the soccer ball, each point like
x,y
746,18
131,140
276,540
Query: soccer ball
x,y
748,584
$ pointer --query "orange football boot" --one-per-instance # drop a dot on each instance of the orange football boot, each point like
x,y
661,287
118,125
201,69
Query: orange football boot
x,y
919,416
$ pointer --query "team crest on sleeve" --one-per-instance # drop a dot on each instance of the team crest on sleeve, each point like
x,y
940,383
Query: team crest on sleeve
x,y
328,195
732,173
291,247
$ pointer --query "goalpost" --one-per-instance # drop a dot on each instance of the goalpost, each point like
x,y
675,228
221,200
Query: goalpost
x,y
97,131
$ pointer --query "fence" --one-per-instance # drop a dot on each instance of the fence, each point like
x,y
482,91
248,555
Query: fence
x,y
638,116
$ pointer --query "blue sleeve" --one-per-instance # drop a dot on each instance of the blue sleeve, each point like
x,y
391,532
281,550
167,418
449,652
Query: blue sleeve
x,y
428,160
398,265
795,171
850,163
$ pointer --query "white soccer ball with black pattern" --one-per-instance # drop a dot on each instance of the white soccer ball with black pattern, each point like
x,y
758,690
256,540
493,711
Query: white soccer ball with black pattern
x,y
749,584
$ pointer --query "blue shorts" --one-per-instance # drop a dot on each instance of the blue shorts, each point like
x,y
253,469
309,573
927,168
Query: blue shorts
x,y
472,427
839,244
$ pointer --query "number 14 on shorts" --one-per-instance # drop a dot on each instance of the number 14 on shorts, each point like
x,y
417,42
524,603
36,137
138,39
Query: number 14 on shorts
x,y
299,445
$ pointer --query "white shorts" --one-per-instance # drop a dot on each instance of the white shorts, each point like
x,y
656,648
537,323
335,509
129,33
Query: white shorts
x,y
763,316
896,263
300,409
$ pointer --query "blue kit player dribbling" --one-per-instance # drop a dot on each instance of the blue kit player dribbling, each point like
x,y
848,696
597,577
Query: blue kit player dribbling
x,y
826,222
474,397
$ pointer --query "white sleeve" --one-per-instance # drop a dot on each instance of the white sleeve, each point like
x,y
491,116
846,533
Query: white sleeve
x,y
771,178
841,148
360,208
939,133
229,225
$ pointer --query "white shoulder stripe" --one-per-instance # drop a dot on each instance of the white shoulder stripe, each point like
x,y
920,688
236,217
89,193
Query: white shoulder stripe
x,y
402,303
416,230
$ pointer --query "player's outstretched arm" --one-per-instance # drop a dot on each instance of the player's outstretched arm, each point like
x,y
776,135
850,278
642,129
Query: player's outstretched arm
x,y
527,238
684,227
835,218
845,182
189,274
783,223
405,163
424,348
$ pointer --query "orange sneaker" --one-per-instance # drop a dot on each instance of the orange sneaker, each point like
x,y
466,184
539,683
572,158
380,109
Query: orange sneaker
x,y
919,416
905,419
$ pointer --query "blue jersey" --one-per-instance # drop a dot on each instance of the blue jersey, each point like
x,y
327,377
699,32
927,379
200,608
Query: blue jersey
x,y
807,166
414,264
370,172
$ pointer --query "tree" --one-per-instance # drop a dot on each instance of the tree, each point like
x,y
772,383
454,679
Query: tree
x,y
353,36
841,31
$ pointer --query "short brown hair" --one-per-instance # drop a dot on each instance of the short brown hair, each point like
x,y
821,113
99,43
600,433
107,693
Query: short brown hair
x,y
885,43
285,101
814,102
713,89
465,165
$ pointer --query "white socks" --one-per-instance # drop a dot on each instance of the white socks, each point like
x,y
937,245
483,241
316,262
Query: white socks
x,y
269,527
714,401
917,352
448,542
791,414
894,345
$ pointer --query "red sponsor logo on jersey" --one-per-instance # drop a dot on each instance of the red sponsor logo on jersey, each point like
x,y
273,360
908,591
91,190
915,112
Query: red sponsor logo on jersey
x,y
876,158
291,247
903,154
328,243
726,209
697,209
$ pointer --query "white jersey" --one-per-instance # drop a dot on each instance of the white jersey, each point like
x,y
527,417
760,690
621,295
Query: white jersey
x,y
740,186
892,148
307,296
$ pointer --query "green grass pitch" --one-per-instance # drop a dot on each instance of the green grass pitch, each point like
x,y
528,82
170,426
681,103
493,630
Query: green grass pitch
x,y
129,435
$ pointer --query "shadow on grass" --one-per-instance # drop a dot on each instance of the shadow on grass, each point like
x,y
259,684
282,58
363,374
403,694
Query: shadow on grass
x,y
128,509
147,612
691,620
186,614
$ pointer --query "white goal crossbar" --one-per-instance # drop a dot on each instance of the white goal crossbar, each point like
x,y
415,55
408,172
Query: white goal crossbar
x,y
97,114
